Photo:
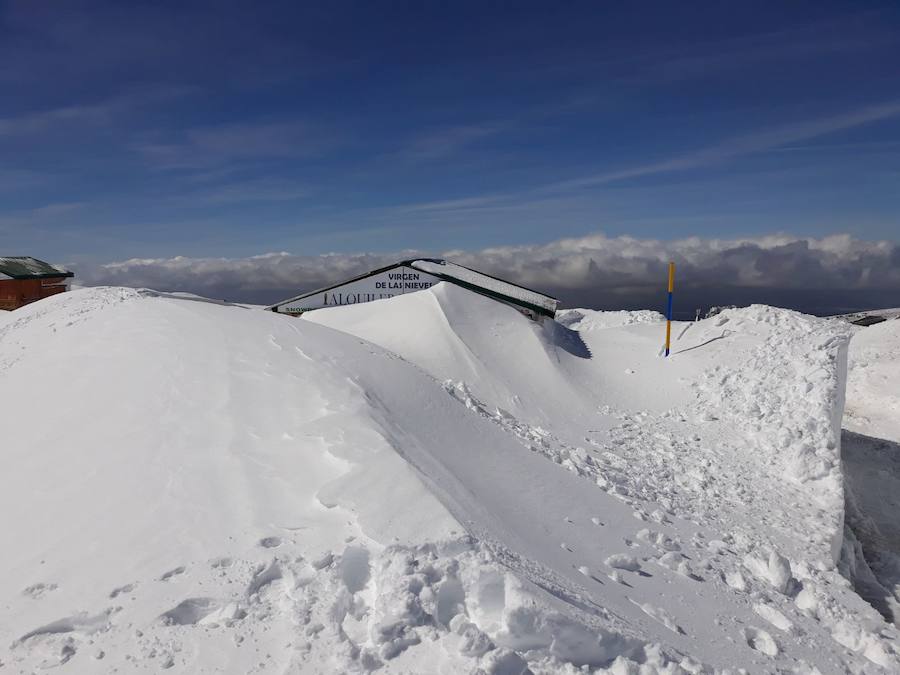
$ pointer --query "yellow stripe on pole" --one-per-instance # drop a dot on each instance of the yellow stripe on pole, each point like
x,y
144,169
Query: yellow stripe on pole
x,y
671,277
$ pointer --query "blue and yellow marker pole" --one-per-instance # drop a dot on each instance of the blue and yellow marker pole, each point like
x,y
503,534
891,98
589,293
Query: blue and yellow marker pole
x,y
669,306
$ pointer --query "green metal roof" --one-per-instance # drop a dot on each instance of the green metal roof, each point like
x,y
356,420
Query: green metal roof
x,y
26,267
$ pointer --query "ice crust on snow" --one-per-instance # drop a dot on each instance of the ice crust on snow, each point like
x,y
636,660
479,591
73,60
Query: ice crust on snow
x,y
433,484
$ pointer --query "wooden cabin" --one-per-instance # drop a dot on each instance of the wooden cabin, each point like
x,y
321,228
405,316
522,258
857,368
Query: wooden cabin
x,y
25,279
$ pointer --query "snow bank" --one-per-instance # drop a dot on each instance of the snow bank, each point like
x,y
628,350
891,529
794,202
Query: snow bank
x,y
871,460
441,484
592,319
873,384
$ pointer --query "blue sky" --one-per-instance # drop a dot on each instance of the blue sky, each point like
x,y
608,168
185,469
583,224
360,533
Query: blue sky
x,y
155,129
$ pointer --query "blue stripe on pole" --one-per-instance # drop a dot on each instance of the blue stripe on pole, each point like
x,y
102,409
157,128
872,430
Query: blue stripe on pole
x,y
669,319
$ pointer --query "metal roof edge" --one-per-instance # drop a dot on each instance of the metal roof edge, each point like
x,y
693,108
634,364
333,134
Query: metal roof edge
x,y
43,276
48,275
489,276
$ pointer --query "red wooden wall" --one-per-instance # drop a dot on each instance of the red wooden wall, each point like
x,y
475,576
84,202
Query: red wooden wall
x,y
17,292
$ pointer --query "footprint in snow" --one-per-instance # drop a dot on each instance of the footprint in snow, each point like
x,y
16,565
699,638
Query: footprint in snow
x,y
761,641
36,591
127,588
564,546
202,611
172,573
270,542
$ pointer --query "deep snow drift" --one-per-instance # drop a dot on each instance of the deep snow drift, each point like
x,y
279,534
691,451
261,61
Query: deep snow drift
x,y
871,455
439,485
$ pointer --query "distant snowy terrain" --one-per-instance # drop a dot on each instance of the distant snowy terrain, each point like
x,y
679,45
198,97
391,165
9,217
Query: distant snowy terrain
x,y
430,483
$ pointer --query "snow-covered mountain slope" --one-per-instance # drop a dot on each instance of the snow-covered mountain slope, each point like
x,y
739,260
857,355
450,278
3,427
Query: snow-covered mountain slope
x,y
208,488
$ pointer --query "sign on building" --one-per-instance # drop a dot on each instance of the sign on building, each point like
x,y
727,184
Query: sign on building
x,y
410,276
377,286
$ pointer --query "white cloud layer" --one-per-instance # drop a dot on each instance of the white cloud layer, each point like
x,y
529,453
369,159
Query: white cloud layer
x,y
824,275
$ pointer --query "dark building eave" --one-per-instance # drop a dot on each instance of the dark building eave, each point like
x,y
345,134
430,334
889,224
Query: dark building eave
x,y
20,277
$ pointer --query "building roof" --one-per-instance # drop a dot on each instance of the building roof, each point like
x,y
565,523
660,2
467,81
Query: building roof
x,y
461,276
870,320
26,267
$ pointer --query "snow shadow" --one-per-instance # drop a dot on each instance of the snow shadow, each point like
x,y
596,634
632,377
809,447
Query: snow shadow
x,y
702,344
872,495
566,339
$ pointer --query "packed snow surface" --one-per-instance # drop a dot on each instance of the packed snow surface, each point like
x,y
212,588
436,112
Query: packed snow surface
x,y
430,483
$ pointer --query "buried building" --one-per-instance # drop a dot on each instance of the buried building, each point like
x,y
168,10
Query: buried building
x,y
24,279
408,276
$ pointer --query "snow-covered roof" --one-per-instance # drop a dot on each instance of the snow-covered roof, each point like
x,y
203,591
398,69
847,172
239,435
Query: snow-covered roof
x,y
481,282
26,267
444,270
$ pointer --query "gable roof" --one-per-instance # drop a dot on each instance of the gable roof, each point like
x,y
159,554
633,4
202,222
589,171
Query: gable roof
x,y
487,285
470,279
26,267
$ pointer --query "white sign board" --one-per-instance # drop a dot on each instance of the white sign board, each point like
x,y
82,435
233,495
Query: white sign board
x,y
396,281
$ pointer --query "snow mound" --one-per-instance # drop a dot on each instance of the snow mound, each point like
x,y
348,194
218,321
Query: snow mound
x,y
592,319
440,484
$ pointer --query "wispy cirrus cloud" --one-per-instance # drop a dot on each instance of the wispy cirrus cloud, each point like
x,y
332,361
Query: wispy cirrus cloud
x,y
213,146
764,140
19,179
256,190
701,59
40,216
737,146
442,143
41,120
88,114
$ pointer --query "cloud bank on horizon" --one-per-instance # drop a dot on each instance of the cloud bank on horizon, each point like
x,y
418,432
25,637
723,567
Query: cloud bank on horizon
x,y
824,275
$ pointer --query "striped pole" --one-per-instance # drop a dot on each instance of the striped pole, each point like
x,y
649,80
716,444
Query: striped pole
x,y
669,306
